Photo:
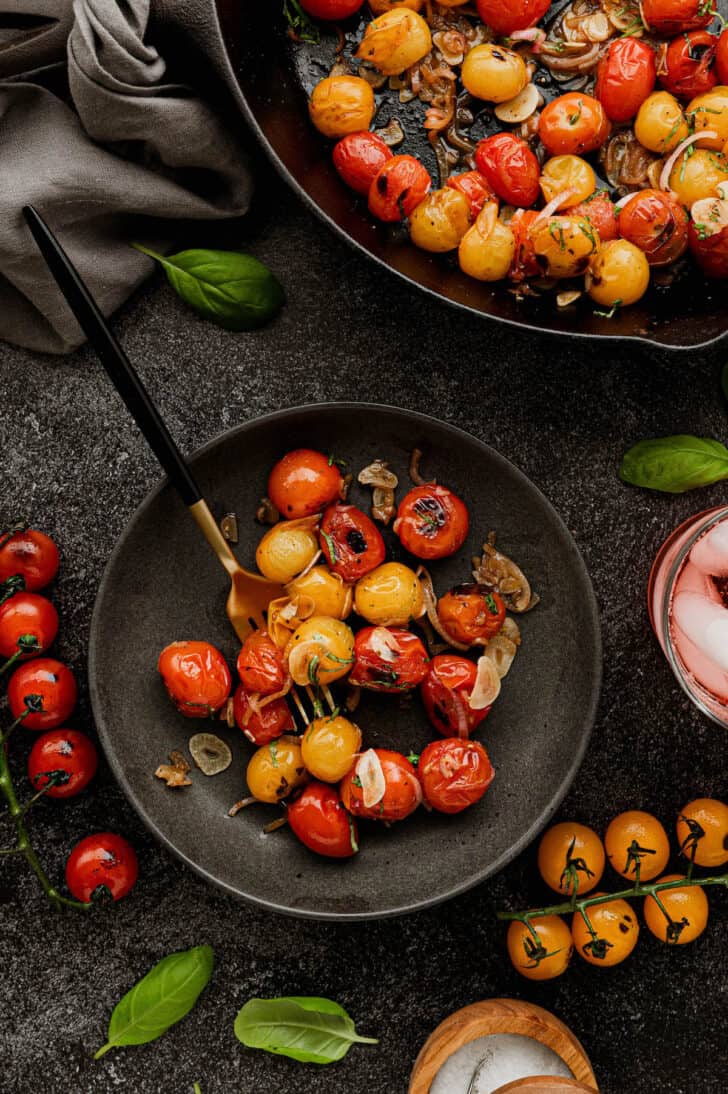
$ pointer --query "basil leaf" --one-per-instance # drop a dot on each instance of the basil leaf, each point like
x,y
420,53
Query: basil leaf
x,y
675,464
308,1029
160,999
234,290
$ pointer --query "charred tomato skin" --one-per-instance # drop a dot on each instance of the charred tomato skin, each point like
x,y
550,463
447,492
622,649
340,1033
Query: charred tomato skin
x,y
303,482
657,224
688,69
406,669
260,664
103,862
66,751
398,187
52,682
626,76
320,821
358,157
31,554
445,692
264,725
402,795
351,542
505,16
196,677
455,774
509,167
24,617
471,613
432,522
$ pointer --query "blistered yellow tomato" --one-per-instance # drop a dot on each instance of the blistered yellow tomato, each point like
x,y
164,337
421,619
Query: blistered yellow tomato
x,y
327,591
660,124
390,595
710,111
564,245
698,175
440,220
394,41
494,73
486,250
287,549
329,746
276,769
320,651
341,105
380,6
562,173
618,275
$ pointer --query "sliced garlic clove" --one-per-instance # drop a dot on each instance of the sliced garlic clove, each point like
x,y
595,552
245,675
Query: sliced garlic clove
x,y
370,775
522,107
501,650
487,685
210,753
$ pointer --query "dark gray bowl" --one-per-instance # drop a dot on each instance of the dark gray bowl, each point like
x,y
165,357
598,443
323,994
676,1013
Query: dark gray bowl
x,y
163,584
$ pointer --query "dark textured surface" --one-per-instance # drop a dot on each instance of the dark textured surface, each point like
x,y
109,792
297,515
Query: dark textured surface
x,y
75,466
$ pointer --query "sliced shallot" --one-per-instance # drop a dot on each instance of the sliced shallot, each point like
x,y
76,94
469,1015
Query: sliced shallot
x,y
384,643
535,35
672,159
487,684
431,609
552,206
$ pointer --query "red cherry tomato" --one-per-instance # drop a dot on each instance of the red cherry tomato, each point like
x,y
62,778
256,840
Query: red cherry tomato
x,y
626,76
322,824
28,626
454,774
388,659
331,10
65,753
402,794
260,664
303,482
710,251
445,692
432,522
656,223
721,58
398,188
510,168
471,613
45,687
351,542
31,554
599,210
505,16
264,725
102,864
524,264
474,187
196,677
573,124
358,157
686,70
671,17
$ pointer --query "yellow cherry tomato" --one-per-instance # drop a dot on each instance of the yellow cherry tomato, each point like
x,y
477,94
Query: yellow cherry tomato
x,y
391,595
687,907
562,173
698,175
565,245
618,275
494,73
276,769
710,111
394,41
440,220
380,6
546,958
571,856
287,549
329,746
634,837
615,928
702,832
660,124
320,651
327,591
487,249
341,105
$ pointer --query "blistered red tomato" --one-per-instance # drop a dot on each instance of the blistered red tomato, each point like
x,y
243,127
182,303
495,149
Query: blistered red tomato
x,y
505,16
573,124
398,188
471,613
261,724
331,10
721,58
710,251
101,865
28,626
626,76
474,187
196,677
351,542
358,157
44,687
303,482
454,774
322,824
260,664
599,211
670,17
524,264
432,522
445,693
656,223
65,758
388,659
402,794
31,554
687,69
510,168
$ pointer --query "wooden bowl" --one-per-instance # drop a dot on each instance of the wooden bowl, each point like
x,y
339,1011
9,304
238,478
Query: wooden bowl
x,y
544,1084
503,1016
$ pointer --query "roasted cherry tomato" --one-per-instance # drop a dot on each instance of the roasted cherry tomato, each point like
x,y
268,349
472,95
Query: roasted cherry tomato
x,y
380,6
721,58
329,747
261,724
505,16
321,650
660,124
401,790
332,10
708,239
31,554
287,549
616,929
440,221
510,168
710,112
395,41
303,482
474,187
388,659
390,596
322,824
471,613
546,958
432,522
571,858
626,75
702,832
102,864
565,245
196,677
670,17
398,187
494,73
445,693
574,123
358,157
351,542
44,687
697,177
524,263
657,224
687,907
618,274
341,105
636,837
562,173
687,68
487,249
64,755
454,774
599,211
328,592
276,769
28,626
260,664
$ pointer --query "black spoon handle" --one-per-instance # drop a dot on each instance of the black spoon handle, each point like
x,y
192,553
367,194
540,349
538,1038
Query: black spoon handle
x,y
117,364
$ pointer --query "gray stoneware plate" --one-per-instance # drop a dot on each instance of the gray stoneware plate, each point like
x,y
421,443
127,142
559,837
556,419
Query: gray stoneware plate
x,y
162,583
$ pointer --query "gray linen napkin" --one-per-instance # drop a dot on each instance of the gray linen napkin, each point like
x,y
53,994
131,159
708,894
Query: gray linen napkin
x,y
139,149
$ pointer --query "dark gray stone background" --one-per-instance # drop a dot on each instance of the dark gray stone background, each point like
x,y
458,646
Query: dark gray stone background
x,y
73,463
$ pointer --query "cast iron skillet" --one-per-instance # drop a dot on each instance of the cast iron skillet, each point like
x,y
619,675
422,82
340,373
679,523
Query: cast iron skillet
x,y
162,584
274,77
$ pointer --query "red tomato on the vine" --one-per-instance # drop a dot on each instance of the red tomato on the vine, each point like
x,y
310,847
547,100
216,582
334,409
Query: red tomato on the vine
x,y
47,688
398,188
196,677
331,10
260,664
432,522
445,693
321,823
454,774
303,482
573,124
670,17
99,865
65,753
687,69
358,157
31,554
509,167
351,542
656,223
263,725
388,659
28,626
505,16
402,794
626,76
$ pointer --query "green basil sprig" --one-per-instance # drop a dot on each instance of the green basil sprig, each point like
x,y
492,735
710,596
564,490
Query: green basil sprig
x,y
232,289
160,999
308,1029
675,464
